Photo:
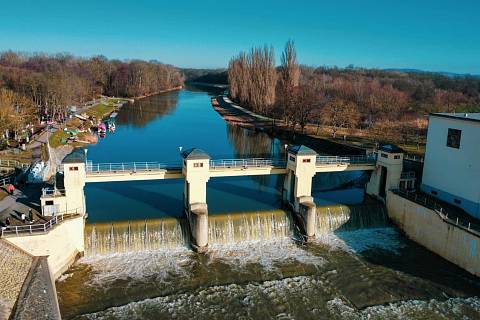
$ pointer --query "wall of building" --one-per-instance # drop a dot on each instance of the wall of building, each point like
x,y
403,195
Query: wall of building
x,y
453,173
62,244
427,228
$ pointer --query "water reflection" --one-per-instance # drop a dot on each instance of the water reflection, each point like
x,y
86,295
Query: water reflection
x,y
142,112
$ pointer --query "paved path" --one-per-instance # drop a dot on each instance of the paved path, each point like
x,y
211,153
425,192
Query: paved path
x,y
20,202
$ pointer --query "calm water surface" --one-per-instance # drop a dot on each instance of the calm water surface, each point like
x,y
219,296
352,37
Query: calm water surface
x,y
137,264
154,128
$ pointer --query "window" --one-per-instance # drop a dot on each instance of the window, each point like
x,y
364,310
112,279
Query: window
x,y
292,158
453,138
384,155
396,157
73,168
49,203
306,160
198,165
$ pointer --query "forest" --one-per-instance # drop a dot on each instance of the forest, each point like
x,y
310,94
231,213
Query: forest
x,y
379,102
37,87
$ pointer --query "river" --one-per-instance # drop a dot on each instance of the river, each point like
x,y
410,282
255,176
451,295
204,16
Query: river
x,y
137,264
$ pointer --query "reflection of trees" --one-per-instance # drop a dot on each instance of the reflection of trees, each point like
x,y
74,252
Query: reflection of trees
x,y
248,143
251,144
143,111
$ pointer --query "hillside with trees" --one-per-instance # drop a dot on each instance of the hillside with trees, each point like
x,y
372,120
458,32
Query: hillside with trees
x,y
353,101
39,86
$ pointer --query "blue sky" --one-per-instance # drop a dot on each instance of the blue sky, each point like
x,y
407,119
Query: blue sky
x,y
439,35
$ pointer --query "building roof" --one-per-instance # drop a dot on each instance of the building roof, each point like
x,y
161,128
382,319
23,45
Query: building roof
x,y
301,150
391,148
459,116
76,156
195,154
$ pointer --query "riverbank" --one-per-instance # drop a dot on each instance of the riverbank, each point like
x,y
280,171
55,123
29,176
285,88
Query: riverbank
x,y
157,92
345,140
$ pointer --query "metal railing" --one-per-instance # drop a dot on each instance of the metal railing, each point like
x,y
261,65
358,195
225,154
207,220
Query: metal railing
x,y
445,215
13,164
7,180
413,157
132,167
36,228
407,175
366,159
47,192
246,163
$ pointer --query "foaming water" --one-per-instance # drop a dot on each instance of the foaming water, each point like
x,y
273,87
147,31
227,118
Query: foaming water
x,y
353,270
128,236
225,229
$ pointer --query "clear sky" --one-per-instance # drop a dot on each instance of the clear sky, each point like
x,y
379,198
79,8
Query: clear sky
x,y
436,35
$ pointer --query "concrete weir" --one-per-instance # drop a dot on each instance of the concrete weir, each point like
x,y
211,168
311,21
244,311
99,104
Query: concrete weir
x,y
197,168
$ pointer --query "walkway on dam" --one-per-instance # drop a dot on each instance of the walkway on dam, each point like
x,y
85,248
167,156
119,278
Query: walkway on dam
x,y
130,171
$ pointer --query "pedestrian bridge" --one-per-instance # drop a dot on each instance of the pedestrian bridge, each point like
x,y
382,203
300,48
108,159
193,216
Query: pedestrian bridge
x,y
131,171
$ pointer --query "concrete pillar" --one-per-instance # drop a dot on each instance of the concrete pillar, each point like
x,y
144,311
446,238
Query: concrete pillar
x,y
301,166
388,172
74,175
196,169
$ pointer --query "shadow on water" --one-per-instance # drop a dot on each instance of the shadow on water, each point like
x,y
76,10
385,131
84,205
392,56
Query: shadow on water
x,y
162,203
370,234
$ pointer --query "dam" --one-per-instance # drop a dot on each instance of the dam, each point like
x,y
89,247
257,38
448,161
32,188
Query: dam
x,y
137,261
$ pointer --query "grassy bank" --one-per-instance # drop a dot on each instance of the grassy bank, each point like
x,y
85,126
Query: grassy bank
x,y
99,111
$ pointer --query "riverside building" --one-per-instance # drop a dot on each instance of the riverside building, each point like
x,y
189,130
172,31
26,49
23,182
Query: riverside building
x,y
452,160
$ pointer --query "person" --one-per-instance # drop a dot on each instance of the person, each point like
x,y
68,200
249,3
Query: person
x,y
23,217
7,221
11,188
30,214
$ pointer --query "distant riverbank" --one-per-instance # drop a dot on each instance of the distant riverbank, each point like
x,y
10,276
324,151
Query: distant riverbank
x,y
157,92
346,141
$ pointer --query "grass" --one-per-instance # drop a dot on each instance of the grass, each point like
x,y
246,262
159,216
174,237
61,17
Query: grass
x,y
99,111
57,138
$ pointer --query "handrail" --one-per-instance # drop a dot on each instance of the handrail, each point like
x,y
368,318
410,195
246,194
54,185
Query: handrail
x,y
8,180
413,157
53,192
246,163
122,167
36,228
13,164
448,217
354,159
408,175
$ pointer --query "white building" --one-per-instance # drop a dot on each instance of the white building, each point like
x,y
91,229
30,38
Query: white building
x,y
451,171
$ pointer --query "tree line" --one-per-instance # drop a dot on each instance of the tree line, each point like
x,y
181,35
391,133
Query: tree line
x,y
45,85
343,98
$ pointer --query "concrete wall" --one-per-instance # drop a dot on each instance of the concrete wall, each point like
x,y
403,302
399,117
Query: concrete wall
x,y
427,228
453,173
62,244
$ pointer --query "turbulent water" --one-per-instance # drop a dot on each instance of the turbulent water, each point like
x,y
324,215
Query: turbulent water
x,y
255,269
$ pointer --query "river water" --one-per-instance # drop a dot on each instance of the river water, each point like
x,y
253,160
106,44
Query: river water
x,y
137,264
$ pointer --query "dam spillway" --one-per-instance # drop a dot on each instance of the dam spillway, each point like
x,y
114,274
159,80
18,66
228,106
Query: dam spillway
x,y
223,229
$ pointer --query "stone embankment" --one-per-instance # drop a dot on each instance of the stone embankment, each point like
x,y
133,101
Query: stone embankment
x,y
15,265
38,298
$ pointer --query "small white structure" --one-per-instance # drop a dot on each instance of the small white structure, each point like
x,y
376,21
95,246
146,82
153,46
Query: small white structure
x,y
451,170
